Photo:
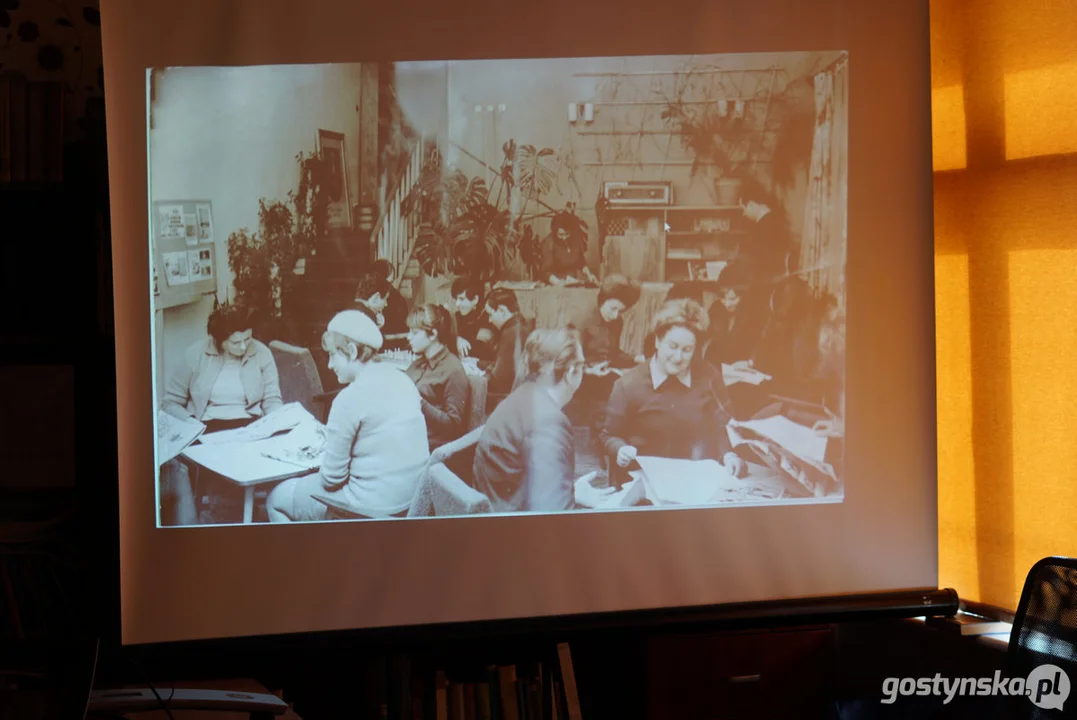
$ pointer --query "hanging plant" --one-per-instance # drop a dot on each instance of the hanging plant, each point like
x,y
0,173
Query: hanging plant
x,y
721,143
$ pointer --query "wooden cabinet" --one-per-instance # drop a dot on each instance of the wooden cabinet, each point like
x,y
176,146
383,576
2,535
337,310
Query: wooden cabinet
x,y
674,243
784,674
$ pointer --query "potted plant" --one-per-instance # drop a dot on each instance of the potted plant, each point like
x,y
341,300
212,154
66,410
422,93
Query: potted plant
x,y
468,227
263,262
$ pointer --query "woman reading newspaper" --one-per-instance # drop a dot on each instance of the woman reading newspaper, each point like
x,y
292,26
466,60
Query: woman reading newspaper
x,y
225,381
673,405
376,444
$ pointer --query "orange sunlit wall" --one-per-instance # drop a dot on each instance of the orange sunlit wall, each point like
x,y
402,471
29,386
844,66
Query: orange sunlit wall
x,y
1004,91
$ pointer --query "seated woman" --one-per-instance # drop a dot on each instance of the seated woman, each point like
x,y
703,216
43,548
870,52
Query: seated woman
x,y
671,406
372,298
600,333
376,445
224,381
507,369
474,333
564,253
438,374
788,347
525,460
679,291
396,305
736,322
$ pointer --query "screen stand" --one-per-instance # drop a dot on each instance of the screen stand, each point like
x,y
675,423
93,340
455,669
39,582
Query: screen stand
x,y
261,706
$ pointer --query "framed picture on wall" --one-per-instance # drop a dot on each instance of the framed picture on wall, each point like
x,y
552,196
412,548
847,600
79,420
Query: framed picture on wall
x,y
332,151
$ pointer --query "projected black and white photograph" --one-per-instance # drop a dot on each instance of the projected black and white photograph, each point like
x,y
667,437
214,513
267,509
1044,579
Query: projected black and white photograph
x,y
443,289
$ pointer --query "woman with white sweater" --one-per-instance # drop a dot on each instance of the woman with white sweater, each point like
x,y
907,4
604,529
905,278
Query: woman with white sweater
x,y
376,444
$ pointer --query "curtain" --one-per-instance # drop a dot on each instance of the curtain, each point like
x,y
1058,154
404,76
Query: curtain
x,y
1003,102
822,255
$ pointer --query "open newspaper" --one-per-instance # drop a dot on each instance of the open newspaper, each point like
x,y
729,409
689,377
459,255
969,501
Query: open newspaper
x,y
302,446
174,435
271,447
280,420
671,481
790,447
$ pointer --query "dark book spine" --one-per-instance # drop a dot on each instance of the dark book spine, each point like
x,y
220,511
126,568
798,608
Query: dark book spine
x,y
18,131
35,124
5,128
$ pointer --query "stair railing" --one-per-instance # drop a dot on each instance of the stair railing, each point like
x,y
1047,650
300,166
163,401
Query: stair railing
x,y
395,230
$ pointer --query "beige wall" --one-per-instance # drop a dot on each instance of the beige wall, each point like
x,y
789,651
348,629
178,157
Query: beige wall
x,y
535,95
230,135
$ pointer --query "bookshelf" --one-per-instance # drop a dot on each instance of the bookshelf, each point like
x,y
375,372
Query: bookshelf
x,y
31,131
671,243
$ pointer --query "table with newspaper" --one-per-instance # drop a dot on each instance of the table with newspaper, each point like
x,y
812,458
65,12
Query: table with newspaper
x,y
284,444
790,468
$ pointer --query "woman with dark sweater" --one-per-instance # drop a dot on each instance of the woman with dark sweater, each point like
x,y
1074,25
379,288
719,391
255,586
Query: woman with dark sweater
x,y
474,333
671,406
374,298
600,332
438,374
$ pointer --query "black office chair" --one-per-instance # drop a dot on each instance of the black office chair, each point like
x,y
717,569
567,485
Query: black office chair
x,y
1045,632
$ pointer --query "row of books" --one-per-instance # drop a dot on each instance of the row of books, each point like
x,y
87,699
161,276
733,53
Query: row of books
x,y
532,690
31,130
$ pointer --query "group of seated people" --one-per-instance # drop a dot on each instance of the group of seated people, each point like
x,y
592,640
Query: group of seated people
x,y
669,401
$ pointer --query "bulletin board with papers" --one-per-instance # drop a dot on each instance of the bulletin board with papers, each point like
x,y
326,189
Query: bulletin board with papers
x,y
184,253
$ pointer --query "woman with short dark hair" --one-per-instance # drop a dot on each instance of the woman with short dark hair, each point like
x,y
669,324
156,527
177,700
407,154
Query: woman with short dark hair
x,y
225,380
564,252
474,333
438,374
672,406
600,330
378,297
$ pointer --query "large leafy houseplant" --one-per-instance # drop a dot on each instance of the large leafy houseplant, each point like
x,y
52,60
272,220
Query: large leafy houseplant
x,y
469,227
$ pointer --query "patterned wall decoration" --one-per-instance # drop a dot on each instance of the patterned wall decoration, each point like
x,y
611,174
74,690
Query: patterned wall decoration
x,y
58,40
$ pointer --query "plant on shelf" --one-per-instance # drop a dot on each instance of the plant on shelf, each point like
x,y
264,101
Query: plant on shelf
x,y
469,227
262,262
721,143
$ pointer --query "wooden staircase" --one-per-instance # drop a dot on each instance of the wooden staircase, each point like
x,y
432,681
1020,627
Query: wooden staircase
x,y
394,233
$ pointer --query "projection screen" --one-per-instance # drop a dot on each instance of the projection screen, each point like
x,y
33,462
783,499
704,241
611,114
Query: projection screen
x,y
300,451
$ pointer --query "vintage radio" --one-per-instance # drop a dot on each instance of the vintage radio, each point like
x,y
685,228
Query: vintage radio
x,y
638,193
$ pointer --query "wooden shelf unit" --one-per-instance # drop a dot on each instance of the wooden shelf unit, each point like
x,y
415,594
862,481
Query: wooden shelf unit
x,y
670,243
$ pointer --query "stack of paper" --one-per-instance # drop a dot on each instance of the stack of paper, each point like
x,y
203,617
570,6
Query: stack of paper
x,y
793,448
686,482
796,438
173,435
